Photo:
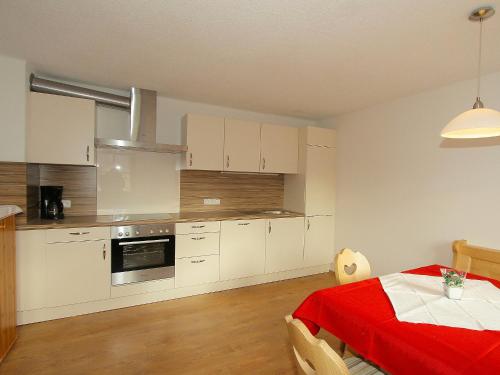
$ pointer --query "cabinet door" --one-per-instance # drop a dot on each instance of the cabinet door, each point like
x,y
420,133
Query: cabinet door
x,y
284,244
78,272
204,137
241,146
319,245
60,130
320,136
30,269
242,248
320,181
196,270
279,149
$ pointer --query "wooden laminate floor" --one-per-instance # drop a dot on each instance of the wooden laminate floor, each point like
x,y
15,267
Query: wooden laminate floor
x,y
240,331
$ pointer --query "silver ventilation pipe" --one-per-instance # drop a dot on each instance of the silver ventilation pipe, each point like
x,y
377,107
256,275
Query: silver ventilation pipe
x,y
56,88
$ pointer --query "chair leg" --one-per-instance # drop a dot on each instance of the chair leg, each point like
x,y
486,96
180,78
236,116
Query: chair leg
x,y
342,348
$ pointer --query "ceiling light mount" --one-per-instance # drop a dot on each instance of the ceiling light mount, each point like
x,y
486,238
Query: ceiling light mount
x,y
481,14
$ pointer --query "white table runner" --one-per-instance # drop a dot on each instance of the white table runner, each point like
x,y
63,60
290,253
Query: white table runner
x,y
421,299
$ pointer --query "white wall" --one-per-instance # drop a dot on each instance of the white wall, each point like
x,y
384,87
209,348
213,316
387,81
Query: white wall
x,y
13,95
403,193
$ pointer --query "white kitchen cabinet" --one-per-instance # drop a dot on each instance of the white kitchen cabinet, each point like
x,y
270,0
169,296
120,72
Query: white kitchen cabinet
x,y
78,272
196,244
319,240
241,146
284,244
319,136
204,137
279,149
60,130
196,270
320,181
30,269
242,248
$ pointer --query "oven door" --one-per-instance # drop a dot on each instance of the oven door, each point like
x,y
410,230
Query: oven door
x,y
142,259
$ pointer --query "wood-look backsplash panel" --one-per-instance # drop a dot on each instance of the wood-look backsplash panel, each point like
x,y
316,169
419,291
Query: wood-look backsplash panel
x,y
237,191
79,186
13,186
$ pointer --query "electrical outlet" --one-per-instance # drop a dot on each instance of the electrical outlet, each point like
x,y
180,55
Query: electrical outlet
x,y
66,203
211,201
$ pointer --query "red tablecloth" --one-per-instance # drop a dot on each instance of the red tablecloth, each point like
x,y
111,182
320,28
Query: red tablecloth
x,y
361,315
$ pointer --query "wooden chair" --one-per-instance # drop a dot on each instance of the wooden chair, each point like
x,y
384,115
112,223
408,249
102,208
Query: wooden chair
x,y
350,266
479,260
315,356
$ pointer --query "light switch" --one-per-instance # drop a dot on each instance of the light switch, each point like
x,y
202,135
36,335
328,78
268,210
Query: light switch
x,y
211,201
66,203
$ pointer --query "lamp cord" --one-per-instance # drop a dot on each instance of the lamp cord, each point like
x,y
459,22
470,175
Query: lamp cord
x,y
479,59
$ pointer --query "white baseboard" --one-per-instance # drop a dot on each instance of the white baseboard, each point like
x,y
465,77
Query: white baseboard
x,y
40,315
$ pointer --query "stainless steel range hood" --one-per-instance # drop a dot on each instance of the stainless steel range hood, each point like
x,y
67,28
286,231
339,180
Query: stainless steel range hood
x,y
142,105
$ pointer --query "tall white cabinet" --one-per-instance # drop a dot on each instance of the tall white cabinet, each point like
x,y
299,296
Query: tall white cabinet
x,y
312,191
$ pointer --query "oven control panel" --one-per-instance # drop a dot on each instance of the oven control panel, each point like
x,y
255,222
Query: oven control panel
x,y
146,230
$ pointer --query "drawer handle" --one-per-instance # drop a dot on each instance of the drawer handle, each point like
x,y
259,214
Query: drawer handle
x,y
190,159
197,238
78,233
198,226
198,261
243,223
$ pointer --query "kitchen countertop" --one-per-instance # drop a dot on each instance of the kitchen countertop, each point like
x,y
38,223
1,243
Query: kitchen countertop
x,y
136,219
9,210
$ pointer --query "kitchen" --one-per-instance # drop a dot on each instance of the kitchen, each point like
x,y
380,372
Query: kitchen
x,y
185,187
122,221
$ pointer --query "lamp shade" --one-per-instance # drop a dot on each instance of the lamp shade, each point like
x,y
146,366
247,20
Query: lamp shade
x,y
475,123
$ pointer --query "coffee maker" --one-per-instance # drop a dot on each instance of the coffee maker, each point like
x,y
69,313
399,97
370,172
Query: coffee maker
x,y
51,206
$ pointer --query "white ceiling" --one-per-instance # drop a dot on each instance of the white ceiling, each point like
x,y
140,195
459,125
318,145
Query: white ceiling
x,y
307,58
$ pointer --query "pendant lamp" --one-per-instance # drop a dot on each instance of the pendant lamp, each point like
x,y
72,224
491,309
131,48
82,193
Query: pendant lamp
x,y
478,122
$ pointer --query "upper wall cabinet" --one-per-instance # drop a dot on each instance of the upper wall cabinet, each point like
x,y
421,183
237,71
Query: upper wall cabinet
x,y
204,136
241,146
319,136
60,130
279,149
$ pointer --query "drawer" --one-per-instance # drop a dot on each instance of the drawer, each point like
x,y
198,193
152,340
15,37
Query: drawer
x,y
199,227
196,270
192,245
78,234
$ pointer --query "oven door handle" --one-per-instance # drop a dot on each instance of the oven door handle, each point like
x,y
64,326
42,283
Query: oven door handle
x,y
142,242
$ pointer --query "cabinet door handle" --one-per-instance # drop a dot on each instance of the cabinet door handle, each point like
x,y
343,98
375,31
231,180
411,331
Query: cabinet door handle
x,y
308,224
263,163
198,261
197,238
269,227
190,159
78,233
243,223
227,161
88,153
197,226
104,251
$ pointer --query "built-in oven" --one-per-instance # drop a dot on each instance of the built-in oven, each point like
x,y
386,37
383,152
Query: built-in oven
x,y
142,253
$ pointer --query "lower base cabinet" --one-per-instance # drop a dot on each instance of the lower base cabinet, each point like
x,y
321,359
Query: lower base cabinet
x,y
196,270
284,244
319,240
77,272
242,248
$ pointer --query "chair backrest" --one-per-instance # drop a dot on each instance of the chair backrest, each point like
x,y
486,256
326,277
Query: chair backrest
x,y
479,260
314,356
350,266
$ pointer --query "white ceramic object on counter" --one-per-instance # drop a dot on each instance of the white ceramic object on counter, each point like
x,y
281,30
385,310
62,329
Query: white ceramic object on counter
x,y
9,210
453,292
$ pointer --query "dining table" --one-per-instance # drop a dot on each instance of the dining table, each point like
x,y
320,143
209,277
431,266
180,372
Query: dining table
x,y
361,315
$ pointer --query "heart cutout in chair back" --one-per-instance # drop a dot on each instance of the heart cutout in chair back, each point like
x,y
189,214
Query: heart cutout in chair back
x,y
350,269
